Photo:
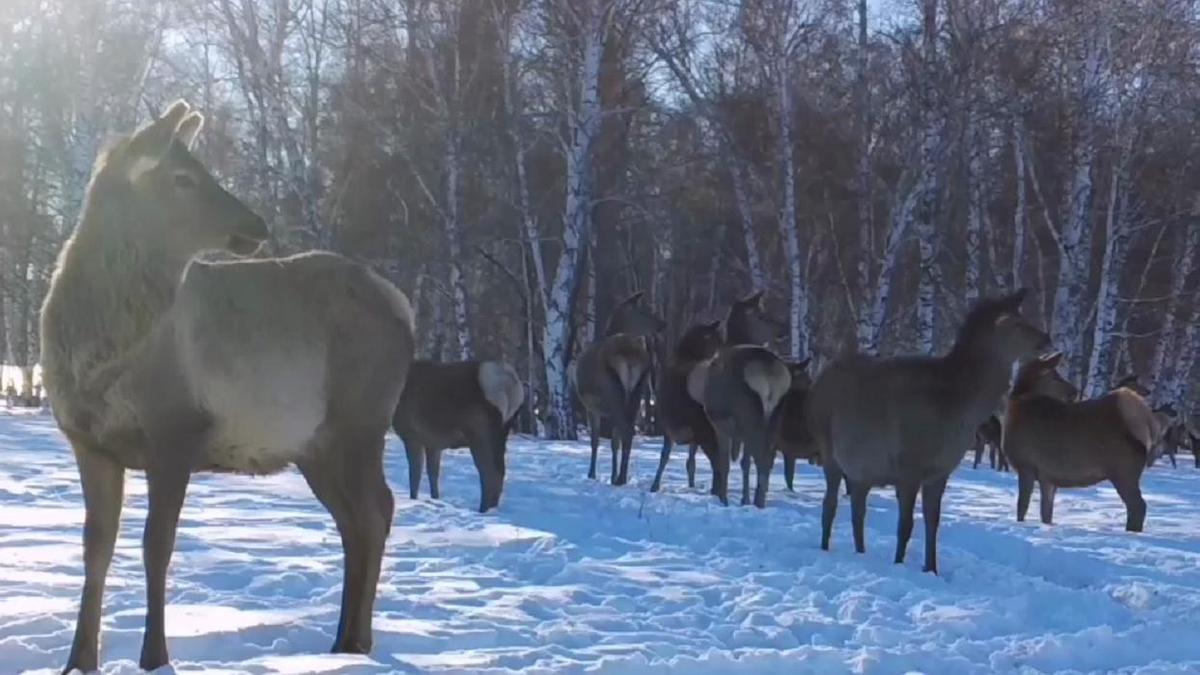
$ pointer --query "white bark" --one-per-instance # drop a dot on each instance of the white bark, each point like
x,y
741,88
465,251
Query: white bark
x,y
880,293
798,294
1099,375
976,205
584,124
1020,212
741,195
1171,345
929,280
1075,241
454,239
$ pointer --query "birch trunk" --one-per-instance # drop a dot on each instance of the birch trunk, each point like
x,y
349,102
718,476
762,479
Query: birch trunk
x,y
1099,375
584,123
1170,345
741,195
1075,243
975,210
866,225
1020,212
929,279
797,296
454,239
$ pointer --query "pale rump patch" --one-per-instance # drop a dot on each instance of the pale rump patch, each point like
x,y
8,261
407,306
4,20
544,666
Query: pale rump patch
x,y
697,380
501,387
628,372
770,381
1138,418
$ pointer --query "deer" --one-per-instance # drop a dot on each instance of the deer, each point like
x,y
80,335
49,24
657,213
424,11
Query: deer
x,y
161,358
908,421
987,437
791,434
1174,432
740,388
683,418
453,405
609,377
1056,442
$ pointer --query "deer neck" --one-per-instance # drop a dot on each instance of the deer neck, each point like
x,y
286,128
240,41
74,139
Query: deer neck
x,y
982,378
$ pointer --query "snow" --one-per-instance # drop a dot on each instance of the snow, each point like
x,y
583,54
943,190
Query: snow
x,y
571,575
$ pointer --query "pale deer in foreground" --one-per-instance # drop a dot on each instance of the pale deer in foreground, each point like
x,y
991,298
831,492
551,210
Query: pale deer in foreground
x,y
740,387
908,422
609,377
159,362
791,433
683,418
1055,441
452,405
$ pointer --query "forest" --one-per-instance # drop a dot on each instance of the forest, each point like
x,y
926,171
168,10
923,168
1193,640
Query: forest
x,y
517,167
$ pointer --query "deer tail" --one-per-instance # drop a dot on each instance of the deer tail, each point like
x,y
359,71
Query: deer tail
x,y
501,387
769,379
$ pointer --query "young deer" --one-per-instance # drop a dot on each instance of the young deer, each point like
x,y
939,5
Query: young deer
x,y
908,422
159,362
683,418
453,405
740,387
791,435
1057,442
609,377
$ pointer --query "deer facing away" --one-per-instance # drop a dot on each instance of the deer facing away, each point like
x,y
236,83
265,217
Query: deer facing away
x,y
740,388
157,362
609,377
452,405
791,433
1055,441
908,422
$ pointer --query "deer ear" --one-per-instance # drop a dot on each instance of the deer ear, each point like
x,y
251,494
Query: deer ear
x,y
188,129
754,298
803,365
634,299
148,145
713,325
1014,301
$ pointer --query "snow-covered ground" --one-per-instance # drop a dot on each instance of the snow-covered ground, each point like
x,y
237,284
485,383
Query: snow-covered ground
x,y
572,575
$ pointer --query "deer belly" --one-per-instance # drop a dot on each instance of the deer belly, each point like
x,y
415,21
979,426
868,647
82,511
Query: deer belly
x,y
263,424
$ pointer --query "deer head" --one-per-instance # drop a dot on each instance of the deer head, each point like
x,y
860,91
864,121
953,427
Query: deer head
x,y
170,198
1040,376
631,316
748,322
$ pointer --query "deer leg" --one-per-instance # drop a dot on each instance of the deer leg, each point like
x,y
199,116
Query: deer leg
x,y
103,483
1003,459
858,513
1135,505
1025,481
594,428
626,453
1171,450
833,481
721,478
371,504
416,466
745,462
691,465
489,477
663,457
616,457
764,461
931,508
1047,501
789,472
906,498
167,477
978,454
433,460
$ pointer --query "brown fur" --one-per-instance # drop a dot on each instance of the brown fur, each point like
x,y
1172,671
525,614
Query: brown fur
x,y
155,361
682,417
908,421
740,388
791,434
1056,442
453,405
608,377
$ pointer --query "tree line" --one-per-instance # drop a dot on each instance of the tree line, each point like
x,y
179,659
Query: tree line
x,y
519,166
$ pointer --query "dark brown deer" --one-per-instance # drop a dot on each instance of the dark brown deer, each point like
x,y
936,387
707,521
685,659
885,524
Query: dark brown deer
x,y
453,405
1055,441
608,378
632,316
792,436
908,421
987,438
157,361
683,419
1174,432
740,387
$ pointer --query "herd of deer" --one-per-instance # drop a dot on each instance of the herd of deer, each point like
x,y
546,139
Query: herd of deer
x,y
161,357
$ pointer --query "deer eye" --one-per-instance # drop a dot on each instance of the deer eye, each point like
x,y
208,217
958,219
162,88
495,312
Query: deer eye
x,y
184,181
